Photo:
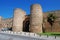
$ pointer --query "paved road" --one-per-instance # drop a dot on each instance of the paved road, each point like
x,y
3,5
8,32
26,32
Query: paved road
x,y
17,37
20,37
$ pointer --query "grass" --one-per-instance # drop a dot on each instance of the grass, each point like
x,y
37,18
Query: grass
x,y
50,33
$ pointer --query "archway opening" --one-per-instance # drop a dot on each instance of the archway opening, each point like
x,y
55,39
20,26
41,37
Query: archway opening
x,y
26,25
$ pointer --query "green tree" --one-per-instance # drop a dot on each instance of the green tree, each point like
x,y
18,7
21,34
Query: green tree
x,y
51,19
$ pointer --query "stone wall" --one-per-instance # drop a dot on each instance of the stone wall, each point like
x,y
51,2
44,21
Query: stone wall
x,y
36,18
33,22
19,16
56,24
1,22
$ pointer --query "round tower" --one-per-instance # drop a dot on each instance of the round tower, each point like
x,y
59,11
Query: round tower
x,y
36,18
19,16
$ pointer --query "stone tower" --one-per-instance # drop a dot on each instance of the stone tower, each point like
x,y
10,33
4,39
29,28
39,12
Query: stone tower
x,y
19,16
36,18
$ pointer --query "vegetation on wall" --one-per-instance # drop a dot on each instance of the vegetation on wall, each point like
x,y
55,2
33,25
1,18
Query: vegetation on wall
x,y
51,19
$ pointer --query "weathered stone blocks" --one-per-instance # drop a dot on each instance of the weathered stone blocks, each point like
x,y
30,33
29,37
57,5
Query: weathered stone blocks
x,y
19,16
36,18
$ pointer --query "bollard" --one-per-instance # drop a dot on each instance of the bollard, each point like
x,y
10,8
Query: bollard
x,y
11,32
55,37
29,34
34,34
20,32
40,35
14,32
8,31
47,36
24,33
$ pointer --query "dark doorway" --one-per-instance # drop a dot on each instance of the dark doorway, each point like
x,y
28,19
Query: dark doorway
x,y
26,26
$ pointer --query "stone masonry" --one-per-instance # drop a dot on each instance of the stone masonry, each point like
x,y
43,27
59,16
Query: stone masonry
x,y
35,22
19,16
36,18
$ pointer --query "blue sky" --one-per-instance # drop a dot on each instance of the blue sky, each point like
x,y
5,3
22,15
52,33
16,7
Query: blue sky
x,y
7,6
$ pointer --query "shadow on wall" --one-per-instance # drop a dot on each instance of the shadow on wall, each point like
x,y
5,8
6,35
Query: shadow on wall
x,y
26,23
